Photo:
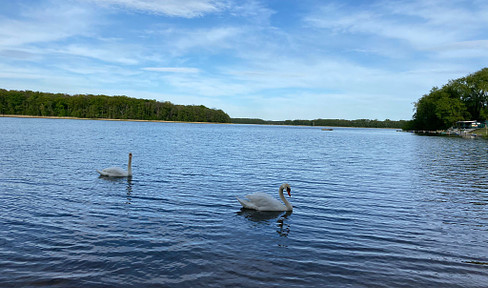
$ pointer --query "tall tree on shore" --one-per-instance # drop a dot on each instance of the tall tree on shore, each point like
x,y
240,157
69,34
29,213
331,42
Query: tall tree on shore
x,y
474,89
465,98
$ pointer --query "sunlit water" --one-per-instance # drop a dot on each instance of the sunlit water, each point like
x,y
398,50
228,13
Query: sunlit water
x,y
372,208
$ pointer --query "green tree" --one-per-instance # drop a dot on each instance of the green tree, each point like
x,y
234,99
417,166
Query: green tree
x,y
465,98
102,106
475,93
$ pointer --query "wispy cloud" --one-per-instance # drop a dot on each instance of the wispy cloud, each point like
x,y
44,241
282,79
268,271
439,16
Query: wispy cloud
x,y
475,49
420,24
344,59
45,23
198,41
172,69
176,8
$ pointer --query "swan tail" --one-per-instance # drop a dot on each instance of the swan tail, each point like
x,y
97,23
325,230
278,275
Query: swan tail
x,y
101,173
246,204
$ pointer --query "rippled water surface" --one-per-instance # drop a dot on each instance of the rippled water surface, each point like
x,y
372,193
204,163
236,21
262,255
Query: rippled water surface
x,y
372,208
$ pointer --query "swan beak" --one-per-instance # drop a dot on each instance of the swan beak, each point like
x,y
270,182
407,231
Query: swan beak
x,y
288,189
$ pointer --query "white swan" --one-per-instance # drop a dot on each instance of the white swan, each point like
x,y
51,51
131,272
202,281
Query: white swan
x,y
117,171
263,202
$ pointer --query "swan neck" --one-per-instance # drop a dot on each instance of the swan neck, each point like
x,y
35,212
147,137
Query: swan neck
x,y
288,205
129,166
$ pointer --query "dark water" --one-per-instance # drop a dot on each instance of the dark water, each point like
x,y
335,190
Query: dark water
x,y
373,208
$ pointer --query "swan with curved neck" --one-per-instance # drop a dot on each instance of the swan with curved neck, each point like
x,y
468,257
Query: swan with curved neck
x,y
117,171
263,202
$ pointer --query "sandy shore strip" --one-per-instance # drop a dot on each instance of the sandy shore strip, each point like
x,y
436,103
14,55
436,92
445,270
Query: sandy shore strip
x,y
103,119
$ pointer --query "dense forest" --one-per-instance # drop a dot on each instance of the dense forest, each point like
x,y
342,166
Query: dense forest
x,y
13,102
100,106
461,99
365,123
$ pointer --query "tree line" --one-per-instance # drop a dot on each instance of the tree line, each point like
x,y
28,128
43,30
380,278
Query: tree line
x,y
15,102
462,99
364,123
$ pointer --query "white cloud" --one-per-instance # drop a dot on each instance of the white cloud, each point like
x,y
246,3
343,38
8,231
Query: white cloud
x,y
475,49
172,69
255,12
201,40
45,24
106,52
206,85
370,59
421,24
176,8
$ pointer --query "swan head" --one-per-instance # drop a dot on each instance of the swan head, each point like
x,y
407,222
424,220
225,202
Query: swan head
x,y
287,187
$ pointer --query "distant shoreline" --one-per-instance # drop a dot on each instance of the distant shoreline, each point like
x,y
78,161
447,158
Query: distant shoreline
x,y
30,104
165,121
103,119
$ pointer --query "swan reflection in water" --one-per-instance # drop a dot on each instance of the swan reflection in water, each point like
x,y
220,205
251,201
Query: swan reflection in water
x,y
267,217
128,187
284,228
129,190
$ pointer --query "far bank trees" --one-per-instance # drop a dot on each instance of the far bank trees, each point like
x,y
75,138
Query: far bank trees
x,y
102,106
461,99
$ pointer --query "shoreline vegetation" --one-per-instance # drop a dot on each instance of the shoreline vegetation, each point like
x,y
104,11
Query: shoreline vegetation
x,y
359,123
246,121
462,99
464,133
15,103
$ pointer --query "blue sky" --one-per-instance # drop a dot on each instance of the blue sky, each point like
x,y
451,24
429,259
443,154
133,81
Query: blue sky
x,y
274,60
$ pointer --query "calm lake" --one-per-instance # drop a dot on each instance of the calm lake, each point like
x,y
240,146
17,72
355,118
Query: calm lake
x,y
372,208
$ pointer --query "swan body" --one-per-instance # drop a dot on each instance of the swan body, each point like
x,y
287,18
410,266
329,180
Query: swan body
x,y
117,171
263,202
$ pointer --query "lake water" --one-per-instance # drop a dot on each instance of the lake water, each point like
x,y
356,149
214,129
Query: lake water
x,y
372,208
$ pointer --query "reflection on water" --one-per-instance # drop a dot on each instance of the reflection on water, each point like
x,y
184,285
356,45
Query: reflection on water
x,y
128,187
259,216
267,217
129,190
115,179
374,208
283,227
